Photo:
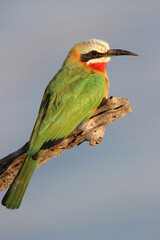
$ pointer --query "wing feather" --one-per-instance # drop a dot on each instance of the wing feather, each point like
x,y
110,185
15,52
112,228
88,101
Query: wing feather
x,y
63,109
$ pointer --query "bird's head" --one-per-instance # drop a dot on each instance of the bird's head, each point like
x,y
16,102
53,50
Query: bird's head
x,y
95,54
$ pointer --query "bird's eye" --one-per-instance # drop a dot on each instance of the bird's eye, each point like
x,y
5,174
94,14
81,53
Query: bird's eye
x,y
94,53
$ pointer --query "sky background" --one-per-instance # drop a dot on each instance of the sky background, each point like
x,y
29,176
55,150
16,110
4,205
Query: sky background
x,y
111,191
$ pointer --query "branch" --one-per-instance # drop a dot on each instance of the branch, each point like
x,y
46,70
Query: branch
x,y
92,130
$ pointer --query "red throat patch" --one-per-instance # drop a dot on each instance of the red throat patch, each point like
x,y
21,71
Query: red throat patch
x,y
100,66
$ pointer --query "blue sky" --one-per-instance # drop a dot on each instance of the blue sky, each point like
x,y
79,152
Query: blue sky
x,y
106,192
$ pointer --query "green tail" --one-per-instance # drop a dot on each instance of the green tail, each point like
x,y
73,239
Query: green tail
x,y
15,193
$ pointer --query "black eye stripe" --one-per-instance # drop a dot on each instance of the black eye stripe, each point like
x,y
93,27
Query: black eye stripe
x,y
91,55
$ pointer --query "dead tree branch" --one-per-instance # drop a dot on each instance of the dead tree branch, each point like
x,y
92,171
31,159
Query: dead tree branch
x,y
92,130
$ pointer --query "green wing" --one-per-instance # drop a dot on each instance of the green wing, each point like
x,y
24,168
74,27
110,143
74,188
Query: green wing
x,y
64,106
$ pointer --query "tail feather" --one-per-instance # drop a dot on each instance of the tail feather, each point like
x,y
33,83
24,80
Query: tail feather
x,y
15,193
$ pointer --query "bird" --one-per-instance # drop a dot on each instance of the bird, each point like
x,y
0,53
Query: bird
x,y
70,98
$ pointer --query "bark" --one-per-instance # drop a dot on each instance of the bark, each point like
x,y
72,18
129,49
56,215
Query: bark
x,y
92,131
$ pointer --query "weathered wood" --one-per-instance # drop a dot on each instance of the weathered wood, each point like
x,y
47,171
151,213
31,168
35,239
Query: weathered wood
x,y
92,130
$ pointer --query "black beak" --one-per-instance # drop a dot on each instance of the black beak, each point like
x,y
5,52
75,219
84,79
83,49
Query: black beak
x,y
118,52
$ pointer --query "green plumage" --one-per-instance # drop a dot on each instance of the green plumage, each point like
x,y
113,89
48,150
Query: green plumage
x,y
71,97
15,193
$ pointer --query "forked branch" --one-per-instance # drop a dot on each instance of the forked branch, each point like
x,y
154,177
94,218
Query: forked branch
x,y
92,130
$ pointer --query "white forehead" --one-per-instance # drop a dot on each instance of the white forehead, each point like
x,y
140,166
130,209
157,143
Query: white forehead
x,y
96,45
